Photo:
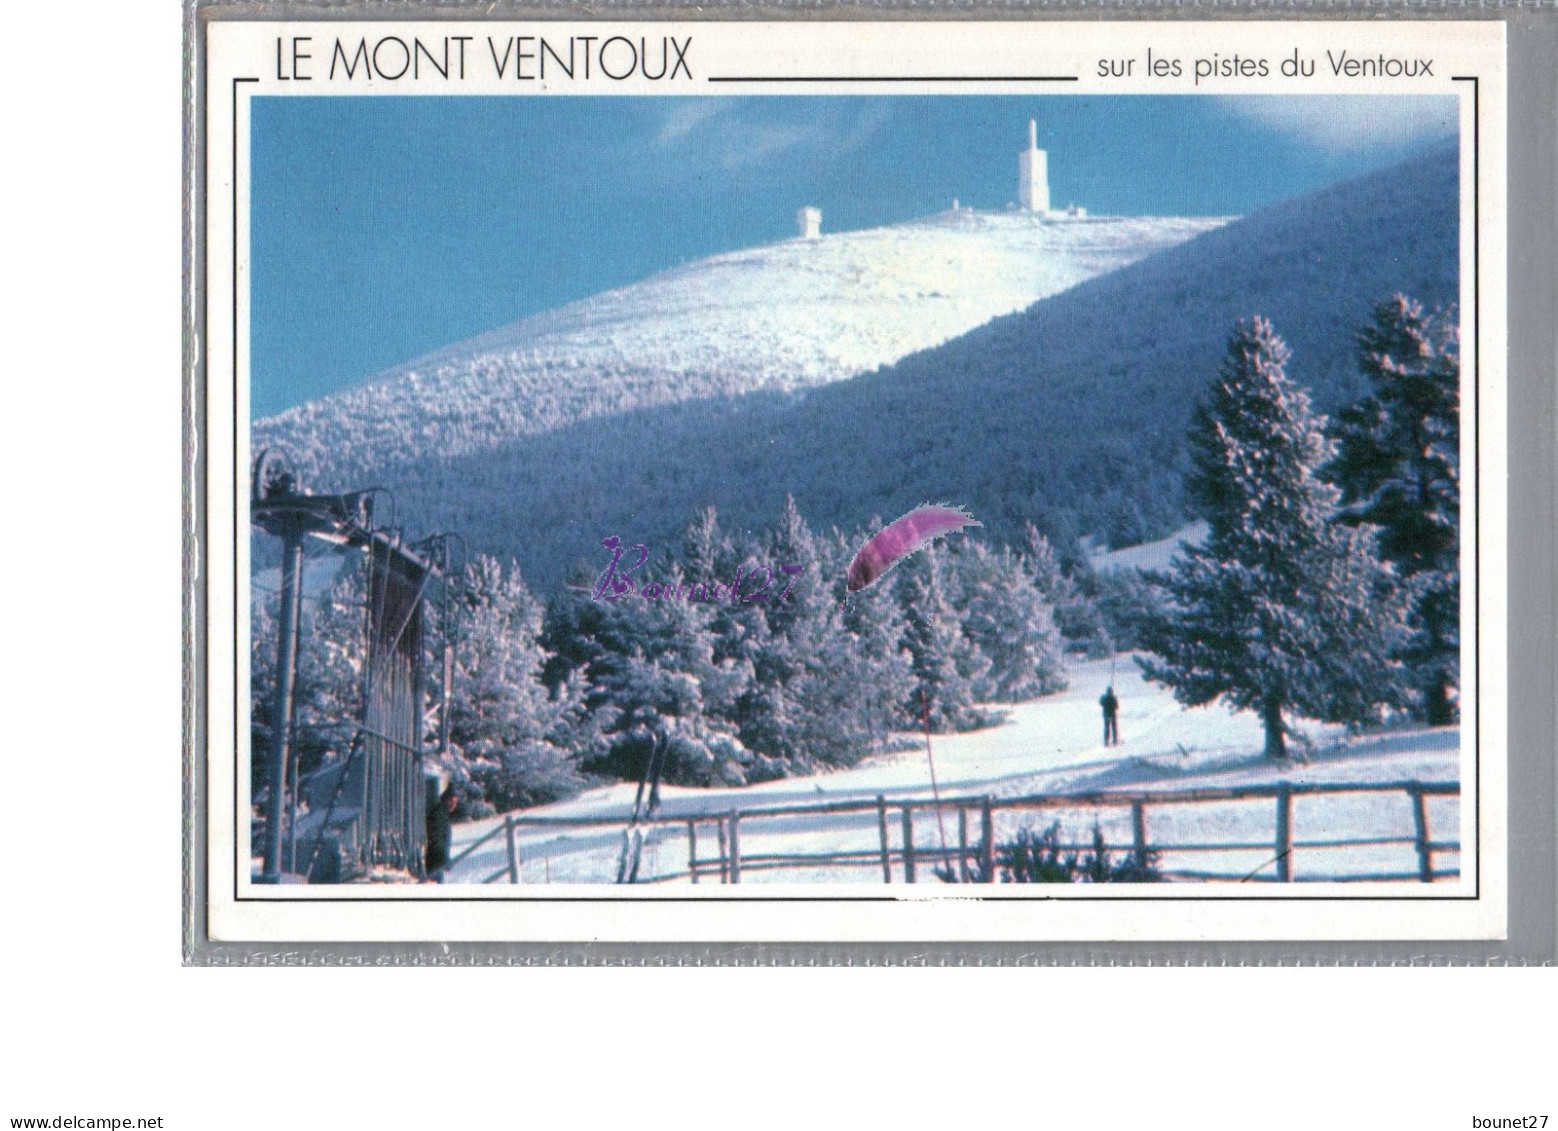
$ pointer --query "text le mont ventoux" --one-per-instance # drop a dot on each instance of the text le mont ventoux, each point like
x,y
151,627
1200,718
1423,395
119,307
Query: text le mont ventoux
x,y
454,58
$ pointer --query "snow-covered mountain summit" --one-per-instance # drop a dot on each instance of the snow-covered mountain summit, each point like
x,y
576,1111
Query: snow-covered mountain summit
x,y
1070,413
783,316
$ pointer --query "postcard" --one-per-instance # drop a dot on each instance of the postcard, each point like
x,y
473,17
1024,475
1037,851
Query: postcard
x,y
831,481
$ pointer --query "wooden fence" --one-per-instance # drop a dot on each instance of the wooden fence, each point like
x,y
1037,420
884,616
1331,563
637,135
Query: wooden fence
x,y
971,851
507,830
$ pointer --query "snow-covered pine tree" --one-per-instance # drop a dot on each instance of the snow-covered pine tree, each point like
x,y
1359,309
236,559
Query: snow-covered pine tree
x,y
649,702
1009,621
1067,590
511,735
1280,610
806,702
710,560
655,683
706,551
1127,599
875,622
810,603
1398,466
947,666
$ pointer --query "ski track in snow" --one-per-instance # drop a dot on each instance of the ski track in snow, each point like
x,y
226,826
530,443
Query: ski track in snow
x,y
1051,745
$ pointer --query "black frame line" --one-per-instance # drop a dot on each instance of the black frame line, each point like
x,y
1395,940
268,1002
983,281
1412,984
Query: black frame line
x,y
1476,440
233,487
891,78
757,898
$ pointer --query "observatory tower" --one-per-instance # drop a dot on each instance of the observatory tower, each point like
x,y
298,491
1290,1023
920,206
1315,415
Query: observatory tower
x,y
1033,174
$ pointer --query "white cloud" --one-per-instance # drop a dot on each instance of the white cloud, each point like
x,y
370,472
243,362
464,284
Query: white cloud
x,y
754,144
736,134
687,115
1349,123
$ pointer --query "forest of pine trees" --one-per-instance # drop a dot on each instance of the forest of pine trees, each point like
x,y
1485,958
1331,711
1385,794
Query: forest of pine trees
x,y
1327,587
549,696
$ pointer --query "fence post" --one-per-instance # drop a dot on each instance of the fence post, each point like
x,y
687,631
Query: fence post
x,y
987,850
908,844
881,828
724,859
692,848
1425,854
735,846
1284,833
508,833
1139,831
962,845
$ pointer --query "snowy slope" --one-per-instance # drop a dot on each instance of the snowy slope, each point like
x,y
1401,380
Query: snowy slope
x,y
1157,555
1049,745
784,316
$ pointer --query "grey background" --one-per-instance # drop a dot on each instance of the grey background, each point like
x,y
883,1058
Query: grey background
x,y
1533,629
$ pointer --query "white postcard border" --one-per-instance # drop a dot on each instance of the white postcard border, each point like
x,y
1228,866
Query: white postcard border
x,y
244,59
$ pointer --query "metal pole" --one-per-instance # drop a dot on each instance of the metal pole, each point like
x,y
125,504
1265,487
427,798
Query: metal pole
x,y
987,828
881,827
1425,853
735,846
281,709
443,714
1284,833
513,849
292,813
415,825
962,845
935,790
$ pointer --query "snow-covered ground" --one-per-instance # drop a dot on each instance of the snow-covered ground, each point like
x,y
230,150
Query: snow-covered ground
x,y
1157,555
1052,745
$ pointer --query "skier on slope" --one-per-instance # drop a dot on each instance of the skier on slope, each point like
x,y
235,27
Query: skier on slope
x,y
1111,706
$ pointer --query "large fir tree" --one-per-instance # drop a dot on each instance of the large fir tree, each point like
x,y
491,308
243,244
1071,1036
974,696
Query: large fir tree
x,y
512,737
1280,610
1398,466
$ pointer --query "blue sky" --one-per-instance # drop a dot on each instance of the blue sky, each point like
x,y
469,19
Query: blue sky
x,y
387,227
